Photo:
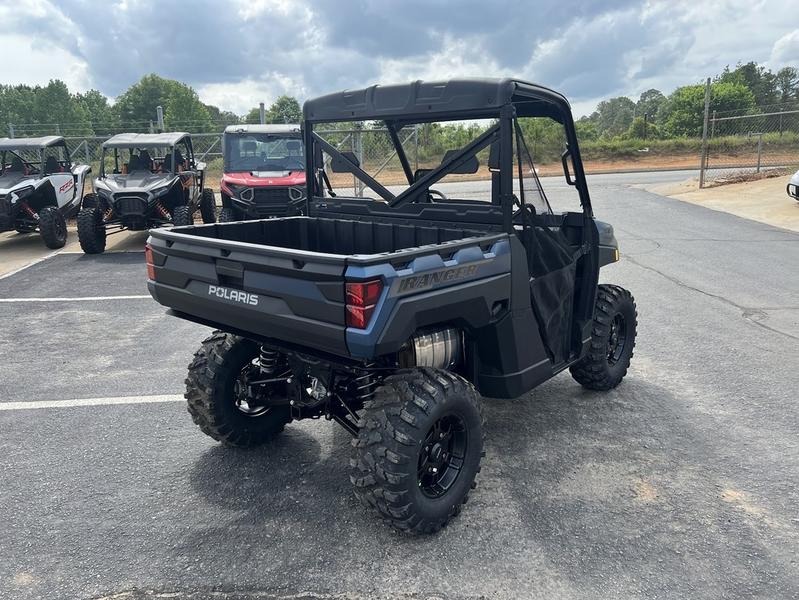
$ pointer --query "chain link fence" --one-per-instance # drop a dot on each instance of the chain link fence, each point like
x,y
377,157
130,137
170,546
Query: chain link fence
x,y
749,145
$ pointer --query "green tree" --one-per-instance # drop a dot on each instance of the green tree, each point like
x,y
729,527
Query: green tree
x,y
649,103
102,116
683,112
642,128
586,130
222,118
760,81
285,109
253,117
182,106
614,116
787,84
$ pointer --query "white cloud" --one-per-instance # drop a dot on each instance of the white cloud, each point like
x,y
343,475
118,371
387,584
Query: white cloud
x,y
786,50
40,56
245,51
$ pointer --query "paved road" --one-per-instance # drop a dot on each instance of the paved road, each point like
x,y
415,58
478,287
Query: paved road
x,y
679,484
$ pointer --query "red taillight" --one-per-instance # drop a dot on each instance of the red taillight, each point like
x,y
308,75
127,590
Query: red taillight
x,y
148,258
362,297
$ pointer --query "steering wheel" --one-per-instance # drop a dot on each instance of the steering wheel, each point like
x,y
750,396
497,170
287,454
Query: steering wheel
x,y
432,192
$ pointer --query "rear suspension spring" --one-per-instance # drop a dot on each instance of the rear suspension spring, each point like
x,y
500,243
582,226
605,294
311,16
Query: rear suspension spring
x,y
365,385
267,360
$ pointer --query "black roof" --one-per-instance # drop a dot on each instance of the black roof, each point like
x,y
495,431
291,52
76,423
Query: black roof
x,y
421,101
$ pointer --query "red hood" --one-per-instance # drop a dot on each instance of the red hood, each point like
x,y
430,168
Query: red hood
x,y
250,180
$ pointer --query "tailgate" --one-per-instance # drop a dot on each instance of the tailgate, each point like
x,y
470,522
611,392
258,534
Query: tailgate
x,y
268,292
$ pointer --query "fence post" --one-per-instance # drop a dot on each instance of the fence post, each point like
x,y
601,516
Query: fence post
x,y
86,148
713,126
703,158
159,113
152,127
759,149
10,130
262,113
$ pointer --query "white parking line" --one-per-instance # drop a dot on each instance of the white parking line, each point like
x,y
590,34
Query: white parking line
x,y
30,264
38,404
84,299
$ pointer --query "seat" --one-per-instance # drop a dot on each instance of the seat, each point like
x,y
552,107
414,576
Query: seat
x,y
51,165
134,164
145,160
166,164
16,166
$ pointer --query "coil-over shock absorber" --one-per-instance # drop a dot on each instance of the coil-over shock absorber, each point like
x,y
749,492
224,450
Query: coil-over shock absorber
x,y
267,360
364,386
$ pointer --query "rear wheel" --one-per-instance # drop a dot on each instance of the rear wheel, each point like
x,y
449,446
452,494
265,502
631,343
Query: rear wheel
x,y
91,230
228,215
208,206
220,397
419,449
612,340
182,215
53,227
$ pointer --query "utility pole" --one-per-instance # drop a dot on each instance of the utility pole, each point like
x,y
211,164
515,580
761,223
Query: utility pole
x,y
703,158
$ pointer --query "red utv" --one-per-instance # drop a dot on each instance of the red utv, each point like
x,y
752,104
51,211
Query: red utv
x,y
264,172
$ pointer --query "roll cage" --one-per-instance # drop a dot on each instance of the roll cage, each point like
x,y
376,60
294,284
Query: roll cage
x,y
143,141
31,153
501,101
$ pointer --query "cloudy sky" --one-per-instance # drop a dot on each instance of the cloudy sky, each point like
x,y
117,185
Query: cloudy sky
x,y
236,53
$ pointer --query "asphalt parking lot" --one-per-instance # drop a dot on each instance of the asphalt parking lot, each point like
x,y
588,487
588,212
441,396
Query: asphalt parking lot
x,y
681,483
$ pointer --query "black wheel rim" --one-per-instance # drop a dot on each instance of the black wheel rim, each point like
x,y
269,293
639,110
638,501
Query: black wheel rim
x,y
442,456
243,398
617,338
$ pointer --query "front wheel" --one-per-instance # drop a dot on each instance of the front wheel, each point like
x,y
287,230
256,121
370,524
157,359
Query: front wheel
x,y
228,215
612,340
91,230
208,206
182,215
53,227
419,449
220,396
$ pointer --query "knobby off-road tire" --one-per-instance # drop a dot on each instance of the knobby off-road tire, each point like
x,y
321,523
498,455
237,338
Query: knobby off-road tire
x,y
90,200
182,215
388,470
612,340
228,215
208,206
91,230
53,227
211,394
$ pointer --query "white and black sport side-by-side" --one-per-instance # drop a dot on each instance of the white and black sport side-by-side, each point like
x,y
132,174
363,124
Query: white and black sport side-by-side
x,y
40,188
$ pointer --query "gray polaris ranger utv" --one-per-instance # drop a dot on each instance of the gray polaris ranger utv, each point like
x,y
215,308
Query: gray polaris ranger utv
x,y
392,315
146,180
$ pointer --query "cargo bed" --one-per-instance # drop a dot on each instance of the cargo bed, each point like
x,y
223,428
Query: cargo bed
x,y
283,279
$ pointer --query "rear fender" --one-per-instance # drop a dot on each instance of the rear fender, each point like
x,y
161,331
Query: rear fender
x,y
462,290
